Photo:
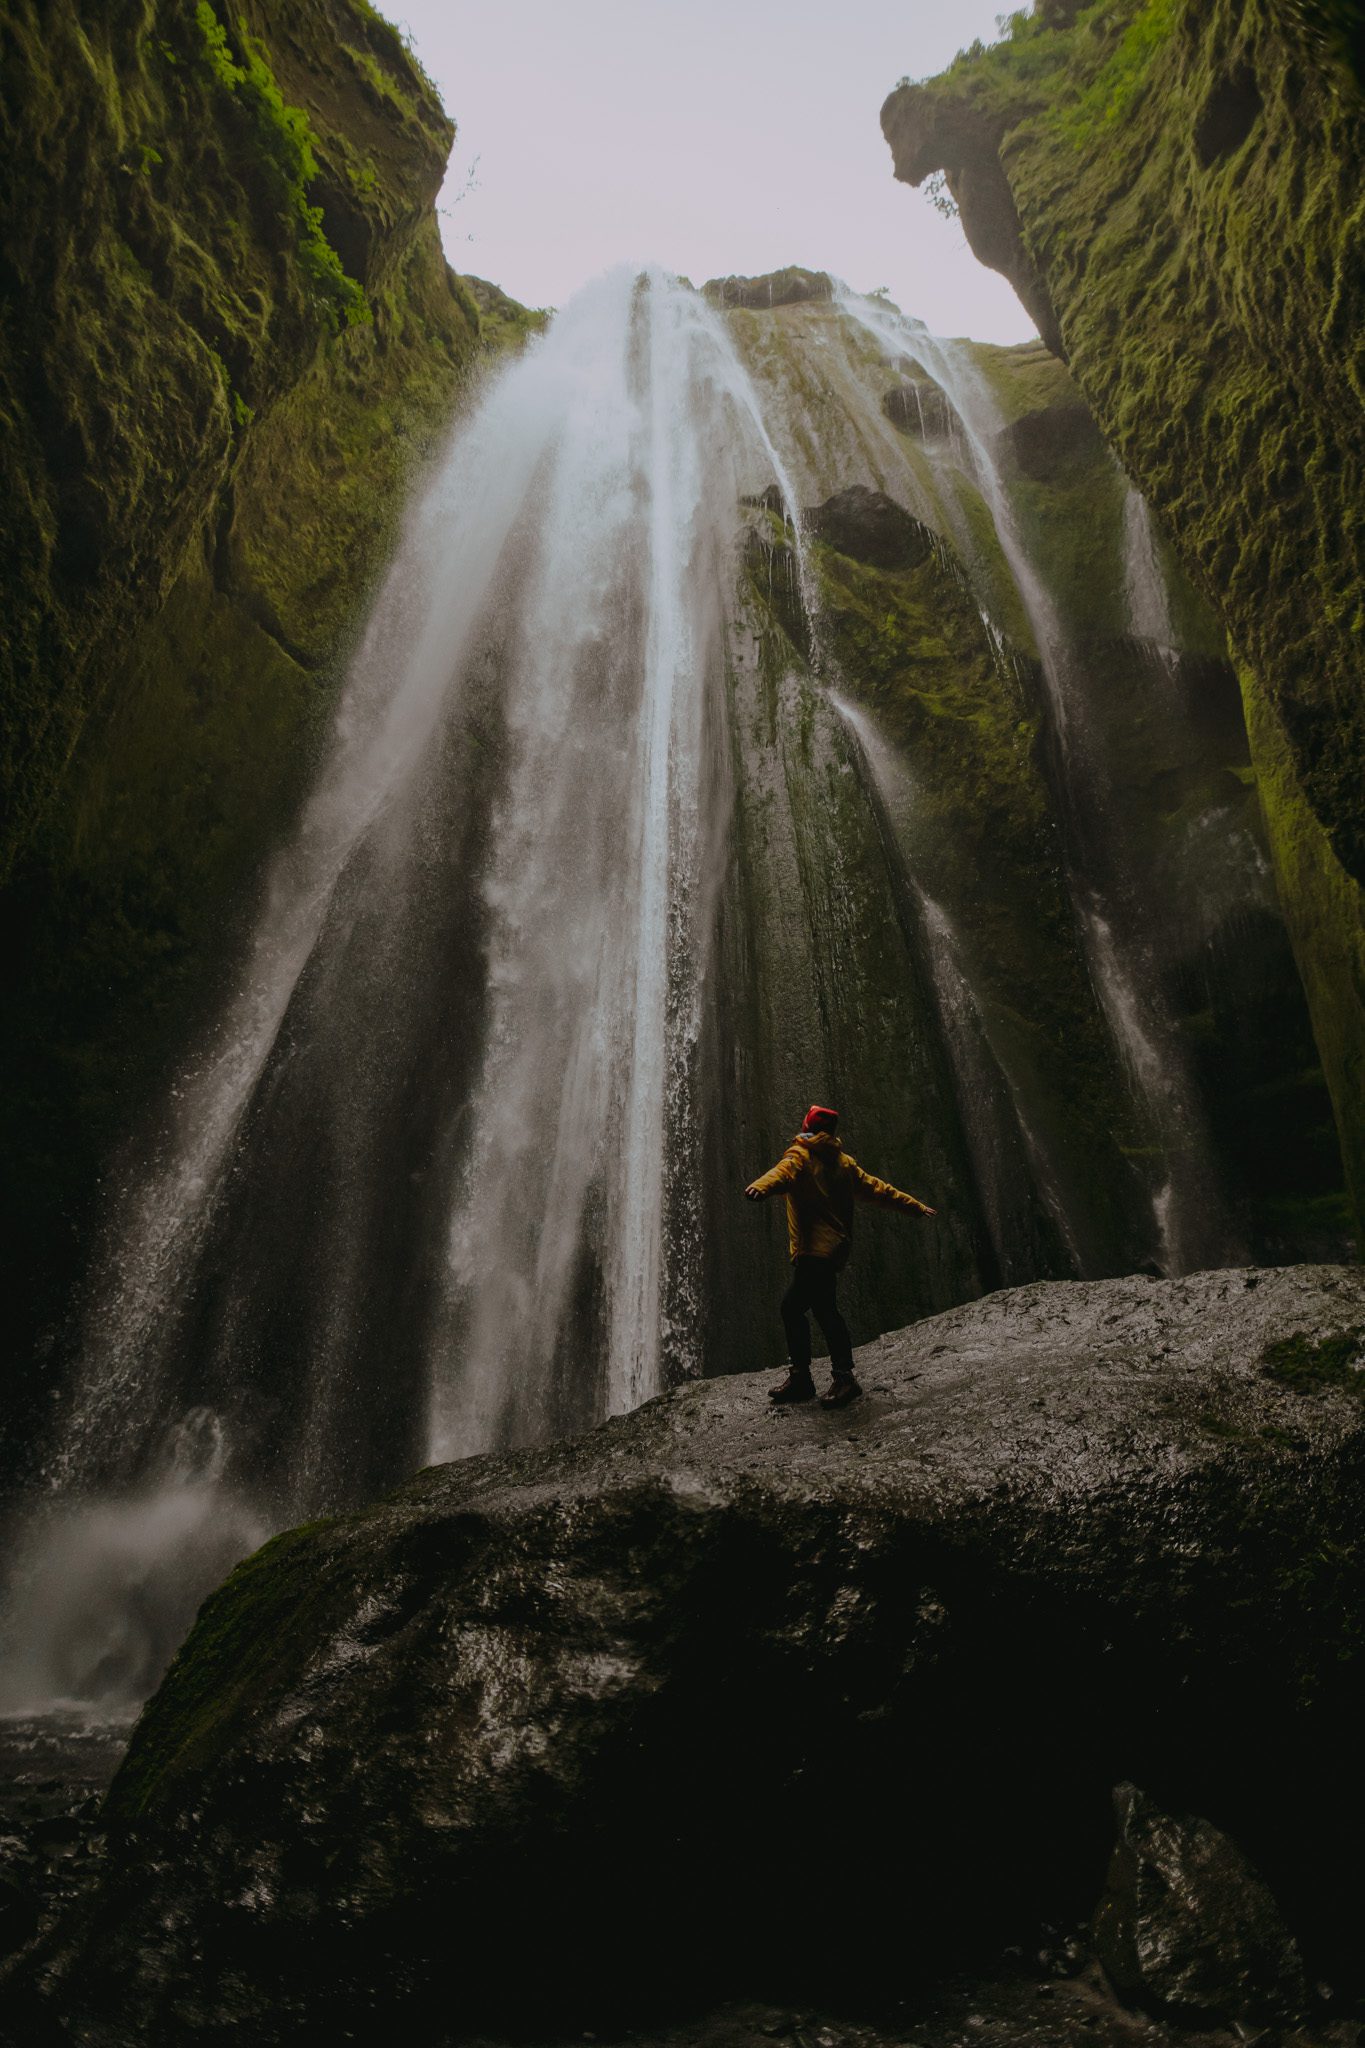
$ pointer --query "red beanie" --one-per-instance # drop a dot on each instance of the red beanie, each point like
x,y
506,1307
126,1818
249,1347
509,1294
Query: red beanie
x,y
818,1119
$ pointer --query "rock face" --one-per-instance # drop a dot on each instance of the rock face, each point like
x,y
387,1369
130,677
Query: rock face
x,y
1045,444
978,820
789,287
920,409
715,1660
1187,1928
1172,192
869,527
234,337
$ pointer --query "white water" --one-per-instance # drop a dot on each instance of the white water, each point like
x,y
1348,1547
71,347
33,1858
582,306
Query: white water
x,y
560,598
1149,604
553,631
601,881
1191,1227
102,1587
990,1100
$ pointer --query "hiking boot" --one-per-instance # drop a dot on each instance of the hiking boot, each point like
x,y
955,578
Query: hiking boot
x,y
797,1386
843,1388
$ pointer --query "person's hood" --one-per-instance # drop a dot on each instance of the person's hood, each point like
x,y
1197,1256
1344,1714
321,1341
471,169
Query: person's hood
x,y
823,1141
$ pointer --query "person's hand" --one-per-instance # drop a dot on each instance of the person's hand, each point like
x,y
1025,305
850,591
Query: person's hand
x,y
926,1210
753,1193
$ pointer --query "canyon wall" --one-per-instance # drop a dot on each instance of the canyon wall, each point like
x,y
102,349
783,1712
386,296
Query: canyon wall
x,y
1174,191
231,340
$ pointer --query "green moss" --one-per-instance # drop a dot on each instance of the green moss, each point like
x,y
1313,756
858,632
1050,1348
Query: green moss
x,y
505,326
285,139
1182,179
979,834
1325,914
194,528
1304,1362
243,1632
1124,72
1023,378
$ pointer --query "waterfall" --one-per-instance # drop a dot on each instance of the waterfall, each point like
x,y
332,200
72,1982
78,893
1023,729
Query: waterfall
x,y
1149,604
431,1186
1191,1223
1023,1207
605,872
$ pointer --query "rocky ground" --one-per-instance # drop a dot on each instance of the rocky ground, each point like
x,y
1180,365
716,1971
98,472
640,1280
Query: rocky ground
x,y
718,1697
54,1773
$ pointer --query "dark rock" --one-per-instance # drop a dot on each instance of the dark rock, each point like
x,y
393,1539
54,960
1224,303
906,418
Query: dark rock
x,y
963,142
870,527
714,1652
1186,1928
920,407
1046,443
769,500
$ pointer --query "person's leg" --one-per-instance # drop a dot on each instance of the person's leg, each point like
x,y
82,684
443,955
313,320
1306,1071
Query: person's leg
x,y
794,1311
824,1302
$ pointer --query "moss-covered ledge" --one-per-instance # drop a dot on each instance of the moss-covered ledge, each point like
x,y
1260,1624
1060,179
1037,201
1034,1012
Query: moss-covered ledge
x,y
1189,223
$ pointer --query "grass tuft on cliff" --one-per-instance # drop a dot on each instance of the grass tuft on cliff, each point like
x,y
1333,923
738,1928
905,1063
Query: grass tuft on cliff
x,y
284,138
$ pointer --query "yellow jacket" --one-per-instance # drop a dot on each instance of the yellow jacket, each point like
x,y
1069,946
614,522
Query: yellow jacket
x,y
823,1183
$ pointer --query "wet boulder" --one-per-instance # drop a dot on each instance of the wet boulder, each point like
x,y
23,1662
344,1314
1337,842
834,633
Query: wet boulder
x,y
871,528
920,408
637,1699
1051,441
1186,1927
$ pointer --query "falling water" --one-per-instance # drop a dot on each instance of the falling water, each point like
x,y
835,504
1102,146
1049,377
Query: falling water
x,y
1149,604
1013,1173
420,1193
436,1181
1191,1224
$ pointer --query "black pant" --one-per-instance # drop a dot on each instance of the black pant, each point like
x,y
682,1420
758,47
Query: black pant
x,y
812,1293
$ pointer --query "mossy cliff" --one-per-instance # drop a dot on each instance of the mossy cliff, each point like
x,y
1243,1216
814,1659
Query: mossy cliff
x,y
1173,190
924,635
231,335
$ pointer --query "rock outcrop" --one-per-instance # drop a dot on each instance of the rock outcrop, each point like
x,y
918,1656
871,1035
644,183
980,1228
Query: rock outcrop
x,y
712,1662
1173,192
977,819
230,337
869,527
789,287
1186,1927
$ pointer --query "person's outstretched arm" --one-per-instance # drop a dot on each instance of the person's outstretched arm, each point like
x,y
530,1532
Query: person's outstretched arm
x,y
781,1175
868,1188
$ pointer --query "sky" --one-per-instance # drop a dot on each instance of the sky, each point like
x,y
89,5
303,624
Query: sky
x,y
713,136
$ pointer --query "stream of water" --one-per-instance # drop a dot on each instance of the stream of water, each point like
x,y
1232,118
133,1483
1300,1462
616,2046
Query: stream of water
x,y
437,1181
427,1188
1192,1225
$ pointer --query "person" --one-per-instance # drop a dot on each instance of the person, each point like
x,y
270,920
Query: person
x,y
822,1184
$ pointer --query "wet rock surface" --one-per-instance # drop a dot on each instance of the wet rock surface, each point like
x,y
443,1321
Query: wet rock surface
x,y
1187,1928
871,528
719,1689
54,1773
790,287
1045,444
919,408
